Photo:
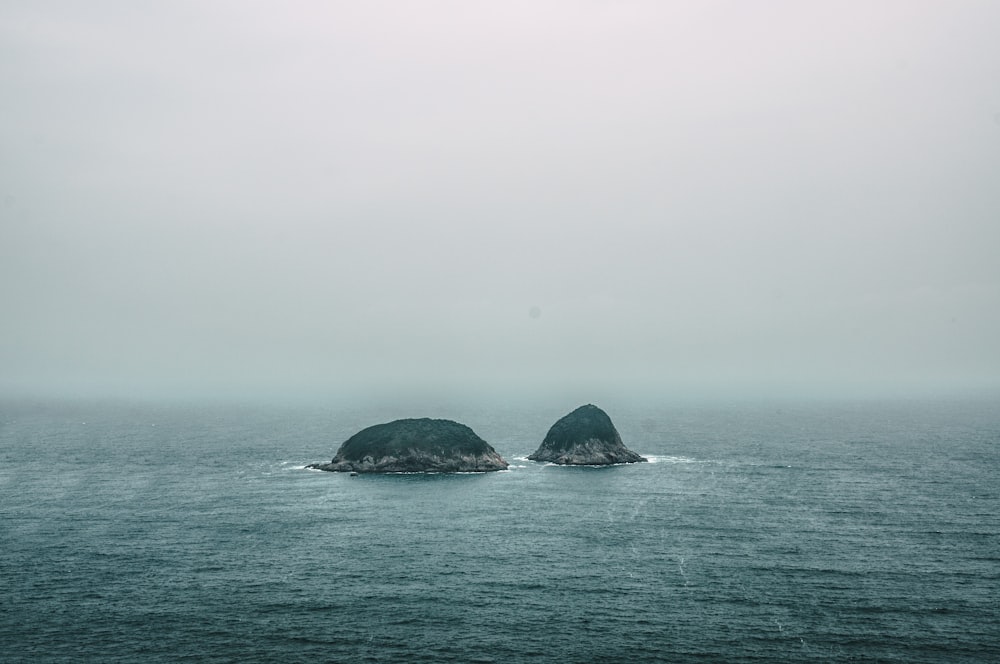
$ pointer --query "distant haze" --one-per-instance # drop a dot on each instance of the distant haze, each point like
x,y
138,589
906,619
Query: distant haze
x,y
323,198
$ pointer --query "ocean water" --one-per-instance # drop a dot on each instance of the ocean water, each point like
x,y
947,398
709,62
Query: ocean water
x,y
769,532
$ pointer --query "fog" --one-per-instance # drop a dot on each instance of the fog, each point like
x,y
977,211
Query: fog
x,y
318,199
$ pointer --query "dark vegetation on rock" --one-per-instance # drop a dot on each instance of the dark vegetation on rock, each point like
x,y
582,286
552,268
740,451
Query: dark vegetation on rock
x,y
413,446
585,437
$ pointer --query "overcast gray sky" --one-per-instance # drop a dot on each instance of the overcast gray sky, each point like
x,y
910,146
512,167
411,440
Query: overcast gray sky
x,y
232,197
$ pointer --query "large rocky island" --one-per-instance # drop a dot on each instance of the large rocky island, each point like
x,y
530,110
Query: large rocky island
x,y
585,437
415,446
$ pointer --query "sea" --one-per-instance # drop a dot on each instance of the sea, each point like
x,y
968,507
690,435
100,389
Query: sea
x,y
771,531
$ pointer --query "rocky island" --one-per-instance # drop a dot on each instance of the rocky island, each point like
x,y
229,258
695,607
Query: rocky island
x,y
585,437
415,446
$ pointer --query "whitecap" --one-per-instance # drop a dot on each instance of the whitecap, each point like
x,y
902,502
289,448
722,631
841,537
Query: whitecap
x,y
669,459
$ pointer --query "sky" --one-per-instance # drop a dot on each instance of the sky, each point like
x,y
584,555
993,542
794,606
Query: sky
x,y
237,198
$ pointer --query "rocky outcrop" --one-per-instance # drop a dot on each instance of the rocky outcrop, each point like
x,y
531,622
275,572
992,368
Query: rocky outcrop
x,y
585,437
415,446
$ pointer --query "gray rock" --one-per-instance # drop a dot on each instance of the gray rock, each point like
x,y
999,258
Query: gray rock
x,y
415,446
585,437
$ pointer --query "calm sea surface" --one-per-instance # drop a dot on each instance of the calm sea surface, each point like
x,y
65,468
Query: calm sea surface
x,y
810,532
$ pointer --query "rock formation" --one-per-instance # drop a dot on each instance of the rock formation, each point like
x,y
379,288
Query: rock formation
x,y
585,437
415,446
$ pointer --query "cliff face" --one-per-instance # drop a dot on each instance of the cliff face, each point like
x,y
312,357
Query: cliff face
x,y
585,437
414,446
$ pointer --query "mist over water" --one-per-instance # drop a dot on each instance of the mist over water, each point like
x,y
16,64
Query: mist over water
x,y
762,236
321,199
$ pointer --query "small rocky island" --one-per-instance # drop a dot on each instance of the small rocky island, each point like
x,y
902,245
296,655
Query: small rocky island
x,y
585,437
415,446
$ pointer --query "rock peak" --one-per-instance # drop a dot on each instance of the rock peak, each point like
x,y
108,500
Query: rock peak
x,y
584,437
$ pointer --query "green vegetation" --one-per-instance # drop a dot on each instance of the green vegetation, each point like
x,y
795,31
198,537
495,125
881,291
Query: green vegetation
x,y
439,437
584,423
